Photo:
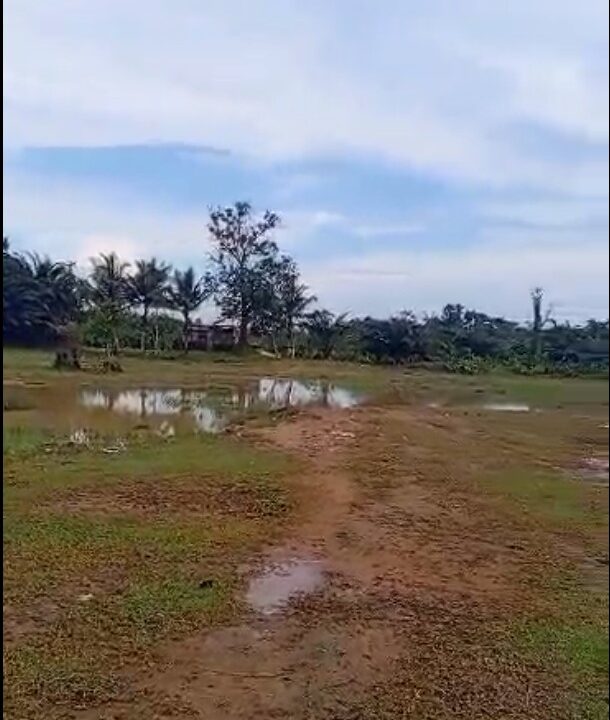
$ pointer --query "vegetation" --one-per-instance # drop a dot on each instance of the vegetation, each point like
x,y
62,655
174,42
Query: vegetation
x,y
186,294
119,564
259,291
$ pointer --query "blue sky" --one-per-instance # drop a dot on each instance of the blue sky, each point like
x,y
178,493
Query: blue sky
x,y
419,153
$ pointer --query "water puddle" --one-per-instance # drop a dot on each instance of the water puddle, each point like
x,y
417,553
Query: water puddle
x,y
171,410
594,469
279,583
506,407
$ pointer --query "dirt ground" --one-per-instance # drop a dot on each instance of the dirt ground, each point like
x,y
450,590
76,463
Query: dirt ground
x,y
424,579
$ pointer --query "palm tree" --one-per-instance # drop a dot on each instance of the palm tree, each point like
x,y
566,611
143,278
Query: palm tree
x,y
186,294
325,330
539,321
60,287
292,299
24,312
109,292
148,290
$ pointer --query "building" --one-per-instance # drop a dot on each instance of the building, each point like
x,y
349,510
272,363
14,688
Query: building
x,y
211,337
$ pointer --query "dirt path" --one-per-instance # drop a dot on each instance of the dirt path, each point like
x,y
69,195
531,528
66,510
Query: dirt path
x,y
419,578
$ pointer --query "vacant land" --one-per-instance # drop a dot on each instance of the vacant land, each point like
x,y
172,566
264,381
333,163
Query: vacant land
x,y
375,543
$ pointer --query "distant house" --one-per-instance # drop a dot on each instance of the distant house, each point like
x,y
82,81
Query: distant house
x,y
211,337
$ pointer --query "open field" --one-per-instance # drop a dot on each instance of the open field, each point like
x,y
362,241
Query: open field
x,y
448,535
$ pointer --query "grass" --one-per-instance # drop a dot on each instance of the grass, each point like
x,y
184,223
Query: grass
x,y
166,515
155,533
67,467
22,440
35,679
581,649
546,496
155,607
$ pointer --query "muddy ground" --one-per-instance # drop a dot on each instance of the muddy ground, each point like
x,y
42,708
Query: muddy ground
x,y
406,562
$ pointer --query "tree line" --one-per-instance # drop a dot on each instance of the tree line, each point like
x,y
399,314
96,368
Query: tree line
x,y
150,305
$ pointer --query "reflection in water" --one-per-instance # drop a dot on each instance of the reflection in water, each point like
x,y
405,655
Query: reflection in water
x,y
273,589
507,407
146,402
594,468
210,409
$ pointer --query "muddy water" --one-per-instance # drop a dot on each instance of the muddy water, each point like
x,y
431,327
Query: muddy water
x,y
279,583
594,469
506,407
169,410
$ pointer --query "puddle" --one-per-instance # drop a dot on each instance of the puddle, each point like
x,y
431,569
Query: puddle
x,y
594,469
170,410
506,407
279,583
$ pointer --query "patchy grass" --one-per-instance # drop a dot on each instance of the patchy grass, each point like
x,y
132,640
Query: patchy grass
x,y
154,608
547,496
69,467
23,440
581,649
37,680
135,533
152,536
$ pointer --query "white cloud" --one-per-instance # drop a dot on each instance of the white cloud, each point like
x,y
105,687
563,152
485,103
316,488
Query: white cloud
x,y
388,230
492,277
439,87
431,86
75,222
558,214
494,274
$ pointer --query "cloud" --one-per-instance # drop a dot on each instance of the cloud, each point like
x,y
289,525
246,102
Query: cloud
x,y
492,277
433,87
75,221
493,272
384,230
443,150
557,214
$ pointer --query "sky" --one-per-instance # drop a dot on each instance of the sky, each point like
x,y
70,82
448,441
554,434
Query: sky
x,y
419,153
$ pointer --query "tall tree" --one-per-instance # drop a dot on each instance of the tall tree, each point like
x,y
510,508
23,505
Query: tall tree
x,y
40,296
397,339
292,299
325,330
242,249
24,312
60,287
280,302
147,288
539,321
187,293
109,293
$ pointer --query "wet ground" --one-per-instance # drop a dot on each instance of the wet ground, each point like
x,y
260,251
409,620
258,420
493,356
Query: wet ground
x,y
506,407
278,582
353,560
170,409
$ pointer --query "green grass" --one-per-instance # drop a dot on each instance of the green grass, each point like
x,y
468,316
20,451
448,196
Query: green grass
x,y
36,678
154,608
142,563
218,499
50,554
23,440
200,455
166,540
27,360
546,496
580,649
583,647
550,392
